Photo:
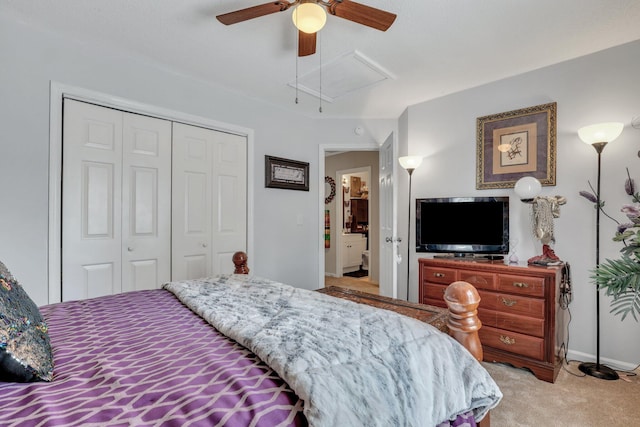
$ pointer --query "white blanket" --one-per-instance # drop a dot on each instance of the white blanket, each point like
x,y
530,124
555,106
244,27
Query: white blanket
x,y
351,364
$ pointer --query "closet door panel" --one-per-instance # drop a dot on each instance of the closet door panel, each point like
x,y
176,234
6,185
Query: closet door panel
x,y
191,207
91,201
146,202
230,199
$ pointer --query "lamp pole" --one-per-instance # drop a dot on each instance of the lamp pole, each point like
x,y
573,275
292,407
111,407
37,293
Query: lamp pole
x,y
596,369
409,163
410,171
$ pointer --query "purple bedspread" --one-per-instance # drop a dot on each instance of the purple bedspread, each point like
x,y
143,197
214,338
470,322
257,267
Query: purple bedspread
x,y
144,359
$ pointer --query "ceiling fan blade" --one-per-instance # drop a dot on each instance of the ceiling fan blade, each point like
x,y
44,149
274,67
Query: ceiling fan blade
x,y
306,43
362,14
253,12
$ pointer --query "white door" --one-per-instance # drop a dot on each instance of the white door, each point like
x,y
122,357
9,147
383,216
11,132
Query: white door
x,y
114,237
146,202
388,241
229,200
209,201
191,222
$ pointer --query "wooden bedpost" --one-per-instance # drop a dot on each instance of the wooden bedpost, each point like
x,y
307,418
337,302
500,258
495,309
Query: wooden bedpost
x,y
240,261
462,299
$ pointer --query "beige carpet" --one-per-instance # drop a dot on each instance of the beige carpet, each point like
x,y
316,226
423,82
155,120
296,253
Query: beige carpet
x,y
573,400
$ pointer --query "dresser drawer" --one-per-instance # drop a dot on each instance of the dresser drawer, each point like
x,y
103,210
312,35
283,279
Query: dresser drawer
x,y
433,294
445,276
512,342
512,304
480,280
512,322
523,285
435,302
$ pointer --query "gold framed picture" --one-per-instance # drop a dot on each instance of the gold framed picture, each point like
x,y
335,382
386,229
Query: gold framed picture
x,y
515,144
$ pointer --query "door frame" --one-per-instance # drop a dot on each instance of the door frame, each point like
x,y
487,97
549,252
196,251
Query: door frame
x,y
322,150
59,91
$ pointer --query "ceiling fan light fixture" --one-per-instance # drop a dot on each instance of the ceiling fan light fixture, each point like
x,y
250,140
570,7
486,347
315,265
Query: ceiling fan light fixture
x,y
309,17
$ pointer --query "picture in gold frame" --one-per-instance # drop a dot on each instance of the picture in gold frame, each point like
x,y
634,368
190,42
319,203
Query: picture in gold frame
x,y
514,144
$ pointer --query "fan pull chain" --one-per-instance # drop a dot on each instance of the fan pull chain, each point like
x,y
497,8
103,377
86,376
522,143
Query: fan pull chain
x,y
296,77
320,73
296,53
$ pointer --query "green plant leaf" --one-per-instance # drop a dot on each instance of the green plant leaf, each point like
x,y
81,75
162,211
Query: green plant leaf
x,y
627,303
620,279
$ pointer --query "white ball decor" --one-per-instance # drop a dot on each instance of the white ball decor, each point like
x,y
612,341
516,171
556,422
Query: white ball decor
x,y
527,188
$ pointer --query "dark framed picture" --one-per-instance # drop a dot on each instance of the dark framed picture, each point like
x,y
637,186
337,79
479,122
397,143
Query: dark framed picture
x,y
285,173
515,144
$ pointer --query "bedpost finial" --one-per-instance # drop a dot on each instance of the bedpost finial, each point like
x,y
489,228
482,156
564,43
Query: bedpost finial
x,y
240,262
463,299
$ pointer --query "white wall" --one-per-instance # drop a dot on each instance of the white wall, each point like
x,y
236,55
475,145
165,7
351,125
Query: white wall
x,y
596,88
32,58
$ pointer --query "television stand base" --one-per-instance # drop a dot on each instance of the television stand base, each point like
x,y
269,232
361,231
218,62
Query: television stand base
x,y
464,256
454,256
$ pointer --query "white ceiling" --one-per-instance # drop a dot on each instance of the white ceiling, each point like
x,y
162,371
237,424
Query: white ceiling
x,y
434,48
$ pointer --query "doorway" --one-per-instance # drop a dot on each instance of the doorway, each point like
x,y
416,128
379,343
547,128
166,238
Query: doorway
x,y
354,219
351,251
388,243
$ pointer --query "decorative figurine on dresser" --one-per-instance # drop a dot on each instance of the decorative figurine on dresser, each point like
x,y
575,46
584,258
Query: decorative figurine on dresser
x,y
543,211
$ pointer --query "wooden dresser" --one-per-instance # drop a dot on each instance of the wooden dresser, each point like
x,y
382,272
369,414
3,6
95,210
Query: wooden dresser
x,y
522,323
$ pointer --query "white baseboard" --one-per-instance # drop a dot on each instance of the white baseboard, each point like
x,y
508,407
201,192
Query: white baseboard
x,y
612,363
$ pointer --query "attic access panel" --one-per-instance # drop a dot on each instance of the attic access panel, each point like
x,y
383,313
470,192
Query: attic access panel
x,y
346,74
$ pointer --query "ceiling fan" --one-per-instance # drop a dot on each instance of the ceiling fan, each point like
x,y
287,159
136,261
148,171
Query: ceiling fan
x,y
350,10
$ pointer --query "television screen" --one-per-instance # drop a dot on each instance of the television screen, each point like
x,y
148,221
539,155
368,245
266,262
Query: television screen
x,y
463,225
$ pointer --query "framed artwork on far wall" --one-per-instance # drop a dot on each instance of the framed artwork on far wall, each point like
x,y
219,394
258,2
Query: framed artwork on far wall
x,y
515,144
285,173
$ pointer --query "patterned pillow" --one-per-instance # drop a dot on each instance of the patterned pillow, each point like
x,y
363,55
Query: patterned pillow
x,y
25,350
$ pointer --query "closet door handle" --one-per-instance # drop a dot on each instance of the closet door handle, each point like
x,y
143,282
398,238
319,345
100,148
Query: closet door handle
x,y
204,245
130,249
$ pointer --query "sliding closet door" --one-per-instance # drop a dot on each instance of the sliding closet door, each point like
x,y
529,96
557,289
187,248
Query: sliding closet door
x,y
115,201
209,218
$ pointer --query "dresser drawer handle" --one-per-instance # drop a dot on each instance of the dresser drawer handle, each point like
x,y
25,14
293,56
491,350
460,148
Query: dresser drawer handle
x,y
506,340
438,274
520,284
509,302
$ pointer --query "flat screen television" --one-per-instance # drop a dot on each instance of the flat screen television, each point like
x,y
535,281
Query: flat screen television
x,y
463,226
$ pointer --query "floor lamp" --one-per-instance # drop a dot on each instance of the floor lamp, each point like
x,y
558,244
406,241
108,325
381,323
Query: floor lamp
x,y
598,136
409,163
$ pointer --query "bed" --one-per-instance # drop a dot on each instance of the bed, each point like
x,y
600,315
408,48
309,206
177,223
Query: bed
x,y
239,350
